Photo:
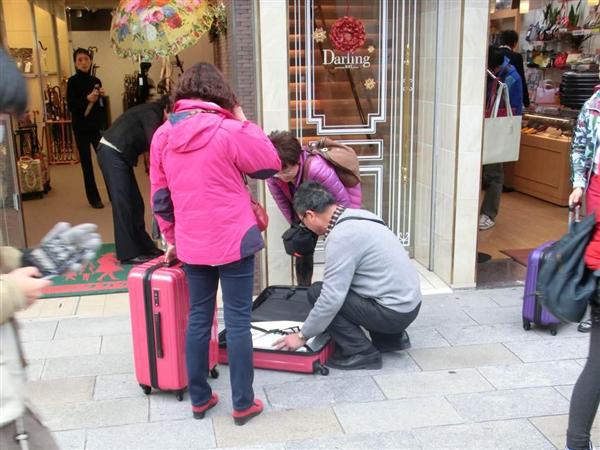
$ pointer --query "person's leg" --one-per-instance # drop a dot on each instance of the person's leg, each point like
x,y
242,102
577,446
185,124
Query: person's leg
x,y
397,339
236,283
304,269
586,394
83,140
95,137
203,282
345,327
39,436
143,241
493,178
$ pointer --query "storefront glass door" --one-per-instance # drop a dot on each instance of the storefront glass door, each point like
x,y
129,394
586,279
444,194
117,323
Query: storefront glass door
x,y
352,79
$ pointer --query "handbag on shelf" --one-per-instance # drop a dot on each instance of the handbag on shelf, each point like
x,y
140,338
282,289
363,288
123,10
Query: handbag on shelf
x,y
546,93
262,218
502,130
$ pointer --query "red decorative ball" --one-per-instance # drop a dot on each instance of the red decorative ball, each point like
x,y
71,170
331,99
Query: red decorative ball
x,y
347,34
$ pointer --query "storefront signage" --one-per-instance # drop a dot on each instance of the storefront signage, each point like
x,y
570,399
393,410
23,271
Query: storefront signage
x,y
346,61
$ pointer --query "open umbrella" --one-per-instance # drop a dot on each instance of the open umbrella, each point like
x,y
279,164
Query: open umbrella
x,y
144,30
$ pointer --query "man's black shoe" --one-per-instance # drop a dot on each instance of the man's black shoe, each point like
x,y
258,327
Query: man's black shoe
x,y
392,342
138,259
97,205
357,361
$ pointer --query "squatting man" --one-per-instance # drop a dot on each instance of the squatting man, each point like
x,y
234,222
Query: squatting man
x,y
369,282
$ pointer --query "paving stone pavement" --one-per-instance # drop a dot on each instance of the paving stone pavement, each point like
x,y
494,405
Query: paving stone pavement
x,y
474,379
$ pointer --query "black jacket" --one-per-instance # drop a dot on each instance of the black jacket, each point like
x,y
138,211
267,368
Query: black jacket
x,y
132,132
517,61
79,87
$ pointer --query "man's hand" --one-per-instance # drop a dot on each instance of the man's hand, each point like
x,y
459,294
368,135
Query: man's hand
x,y
576,196
170,253
291,342
101,91
28,281
93,96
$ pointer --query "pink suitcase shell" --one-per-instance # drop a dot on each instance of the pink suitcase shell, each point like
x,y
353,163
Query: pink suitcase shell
x,y
159,303
533,311
284,303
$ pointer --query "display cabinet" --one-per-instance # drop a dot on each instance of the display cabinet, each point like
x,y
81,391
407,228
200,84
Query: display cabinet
x,y
543,168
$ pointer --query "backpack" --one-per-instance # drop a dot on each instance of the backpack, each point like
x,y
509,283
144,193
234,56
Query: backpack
x,y
342,158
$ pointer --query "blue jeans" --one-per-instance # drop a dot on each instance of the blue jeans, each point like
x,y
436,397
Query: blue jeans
x,y
236,283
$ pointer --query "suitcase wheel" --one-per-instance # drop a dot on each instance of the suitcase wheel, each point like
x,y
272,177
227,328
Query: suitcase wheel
x,y
526,325
553,331
321,369
214,372
147,389
179,395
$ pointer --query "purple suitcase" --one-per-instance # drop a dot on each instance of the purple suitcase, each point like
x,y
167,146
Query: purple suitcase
x,y
533,311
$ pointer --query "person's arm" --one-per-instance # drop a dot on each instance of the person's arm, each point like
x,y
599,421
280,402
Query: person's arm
x,y
283,203
341,261
580,162
162,204
322,172
253,152
518,58
515,94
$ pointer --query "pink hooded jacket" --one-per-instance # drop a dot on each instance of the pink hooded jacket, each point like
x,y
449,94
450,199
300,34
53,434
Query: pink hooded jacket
x,y
318,170
199,197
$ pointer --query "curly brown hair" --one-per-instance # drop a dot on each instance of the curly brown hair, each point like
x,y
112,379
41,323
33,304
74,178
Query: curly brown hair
x,y
205,82
288,147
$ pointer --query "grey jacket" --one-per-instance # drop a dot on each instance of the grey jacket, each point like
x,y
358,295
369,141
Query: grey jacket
x,y
367,258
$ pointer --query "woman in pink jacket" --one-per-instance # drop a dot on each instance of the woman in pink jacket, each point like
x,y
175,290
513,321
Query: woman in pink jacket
x,y
292,174
198,159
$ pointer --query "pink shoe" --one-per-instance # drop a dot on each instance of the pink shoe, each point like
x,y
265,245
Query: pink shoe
x,y
241,417
200,411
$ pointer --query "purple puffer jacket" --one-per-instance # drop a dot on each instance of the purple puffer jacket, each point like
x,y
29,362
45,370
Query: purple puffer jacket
x,y
318,170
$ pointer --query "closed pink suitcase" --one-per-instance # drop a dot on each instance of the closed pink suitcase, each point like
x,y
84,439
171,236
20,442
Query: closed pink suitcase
x,y
160,304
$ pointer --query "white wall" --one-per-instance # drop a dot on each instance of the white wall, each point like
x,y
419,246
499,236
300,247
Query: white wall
x,y
112,69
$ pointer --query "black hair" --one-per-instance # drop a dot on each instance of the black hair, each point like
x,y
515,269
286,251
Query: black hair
x,y
164,101
81,50
312,196
508,37
205,82
288,147
495,57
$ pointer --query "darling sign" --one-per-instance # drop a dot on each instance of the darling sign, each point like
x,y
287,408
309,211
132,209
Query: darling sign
x,y
346,61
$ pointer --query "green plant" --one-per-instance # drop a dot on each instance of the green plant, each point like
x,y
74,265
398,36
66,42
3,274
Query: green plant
x,y
575,14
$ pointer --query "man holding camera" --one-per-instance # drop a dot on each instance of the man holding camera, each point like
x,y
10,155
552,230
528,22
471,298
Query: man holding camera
x,y
88,113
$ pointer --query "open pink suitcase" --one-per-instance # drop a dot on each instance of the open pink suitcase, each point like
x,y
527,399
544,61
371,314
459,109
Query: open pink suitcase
x,y
284,303
160,304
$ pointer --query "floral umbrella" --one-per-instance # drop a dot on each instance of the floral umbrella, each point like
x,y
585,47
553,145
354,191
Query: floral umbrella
x,y
147,29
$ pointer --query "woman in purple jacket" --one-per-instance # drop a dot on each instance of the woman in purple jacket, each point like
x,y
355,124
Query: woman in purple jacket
x,y
297,166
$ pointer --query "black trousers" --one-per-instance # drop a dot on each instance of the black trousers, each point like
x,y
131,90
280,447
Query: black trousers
x,y
85,139
493,179
586,394
382,323
131,238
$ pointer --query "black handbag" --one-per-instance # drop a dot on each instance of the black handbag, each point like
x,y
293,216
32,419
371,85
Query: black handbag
x,y
565,285
299,240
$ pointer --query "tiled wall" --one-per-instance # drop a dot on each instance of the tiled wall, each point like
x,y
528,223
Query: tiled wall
x,y
449,122
274,96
